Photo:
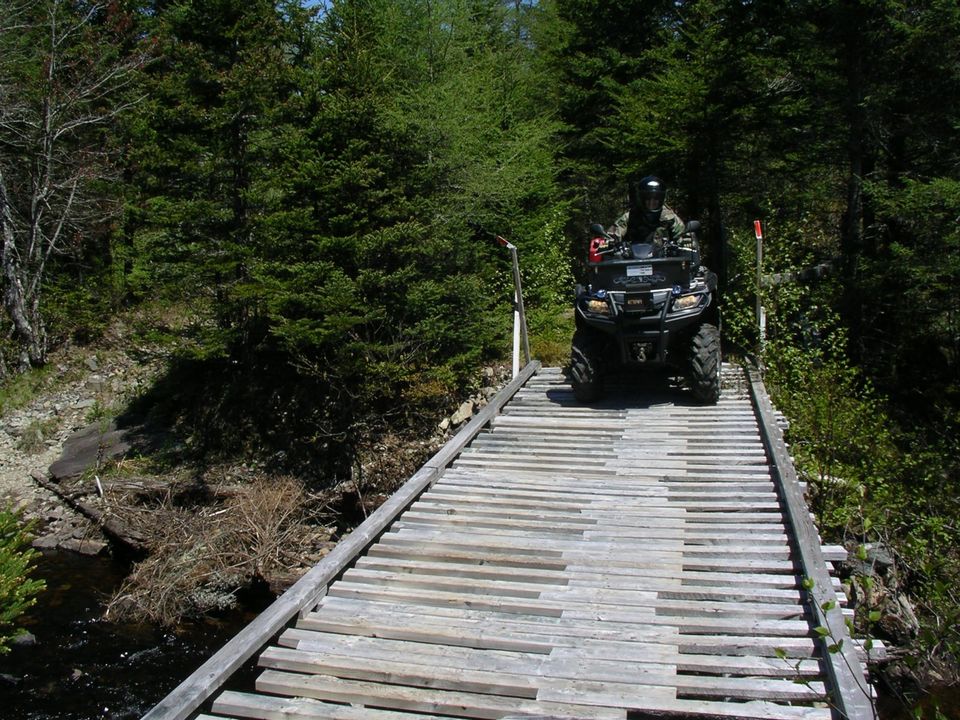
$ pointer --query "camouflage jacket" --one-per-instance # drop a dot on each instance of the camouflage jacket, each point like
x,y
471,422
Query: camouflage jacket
x,y
669,229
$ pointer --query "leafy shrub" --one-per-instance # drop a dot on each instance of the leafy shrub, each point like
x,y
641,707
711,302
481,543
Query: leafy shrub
x,y
872,476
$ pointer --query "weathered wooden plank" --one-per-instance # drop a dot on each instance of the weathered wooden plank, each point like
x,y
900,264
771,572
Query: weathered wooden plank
x,y
728,599
599,542
493,507
620,688
589,604
616,558
400,672
621,618
624,554
359,617
747,461
567,662
428,700
269,707
418,653
476,520
712,572
460,495
666,658
455,566
710,710
670,448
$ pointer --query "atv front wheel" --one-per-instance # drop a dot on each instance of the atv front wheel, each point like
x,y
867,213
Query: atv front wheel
x,y
584,369
704,369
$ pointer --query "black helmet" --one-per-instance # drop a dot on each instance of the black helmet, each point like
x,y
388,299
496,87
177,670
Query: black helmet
x,y
651,188
646,196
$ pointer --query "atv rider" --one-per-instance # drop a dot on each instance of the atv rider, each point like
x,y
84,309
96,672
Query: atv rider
x,y
648,220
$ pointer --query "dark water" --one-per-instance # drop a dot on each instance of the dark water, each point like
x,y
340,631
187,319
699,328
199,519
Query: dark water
x,y
83,667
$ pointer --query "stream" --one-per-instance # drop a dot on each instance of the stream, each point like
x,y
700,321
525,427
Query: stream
x,y
83,667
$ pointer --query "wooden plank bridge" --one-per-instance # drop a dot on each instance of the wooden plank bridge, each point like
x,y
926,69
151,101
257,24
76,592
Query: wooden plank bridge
x,y
642,557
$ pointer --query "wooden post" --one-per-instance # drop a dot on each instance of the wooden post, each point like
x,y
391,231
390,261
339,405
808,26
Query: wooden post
x,y
761,320
520,317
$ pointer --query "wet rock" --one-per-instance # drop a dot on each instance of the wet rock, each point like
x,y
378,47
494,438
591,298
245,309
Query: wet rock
x,y
84,546
24,639
45,542
86,447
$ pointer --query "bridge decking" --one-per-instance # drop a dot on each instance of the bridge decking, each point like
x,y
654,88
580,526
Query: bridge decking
x,y
630,559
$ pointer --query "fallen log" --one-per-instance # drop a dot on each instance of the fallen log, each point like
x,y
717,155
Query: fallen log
x,y
113,529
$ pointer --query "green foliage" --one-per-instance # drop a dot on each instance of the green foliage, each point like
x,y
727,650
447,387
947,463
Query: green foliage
x,y
912,286
719,110
551,332
842,436
79,310
597,49
18,591
321,184
545,268
871,476
324,216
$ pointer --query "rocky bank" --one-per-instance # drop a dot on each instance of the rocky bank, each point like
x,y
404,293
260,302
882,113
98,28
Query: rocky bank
x,y
85,387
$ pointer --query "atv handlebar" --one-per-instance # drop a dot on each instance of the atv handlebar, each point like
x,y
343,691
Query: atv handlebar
x,y
607,243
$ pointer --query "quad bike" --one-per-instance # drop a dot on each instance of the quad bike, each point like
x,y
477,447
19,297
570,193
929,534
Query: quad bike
x,y
646,306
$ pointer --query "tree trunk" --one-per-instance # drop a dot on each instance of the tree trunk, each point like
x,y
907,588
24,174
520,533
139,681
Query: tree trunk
x,y
22,311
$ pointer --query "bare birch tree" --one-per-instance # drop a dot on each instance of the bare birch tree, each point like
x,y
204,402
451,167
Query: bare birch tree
x,y
63,82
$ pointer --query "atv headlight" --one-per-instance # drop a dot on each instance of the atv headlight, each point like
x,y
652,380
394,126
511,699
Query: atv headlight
x,y
686,302
599,307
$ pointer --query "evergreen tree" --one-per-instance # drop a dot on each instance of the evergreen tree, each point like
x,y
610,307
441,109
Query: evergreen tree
x,y
18,592
597,48
203,143
726,112
895,89
418,127
320,180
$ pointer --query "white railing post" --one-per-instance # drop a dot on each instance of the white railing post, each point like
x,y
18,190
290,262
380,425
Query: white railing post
x,y
519,316
761,315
